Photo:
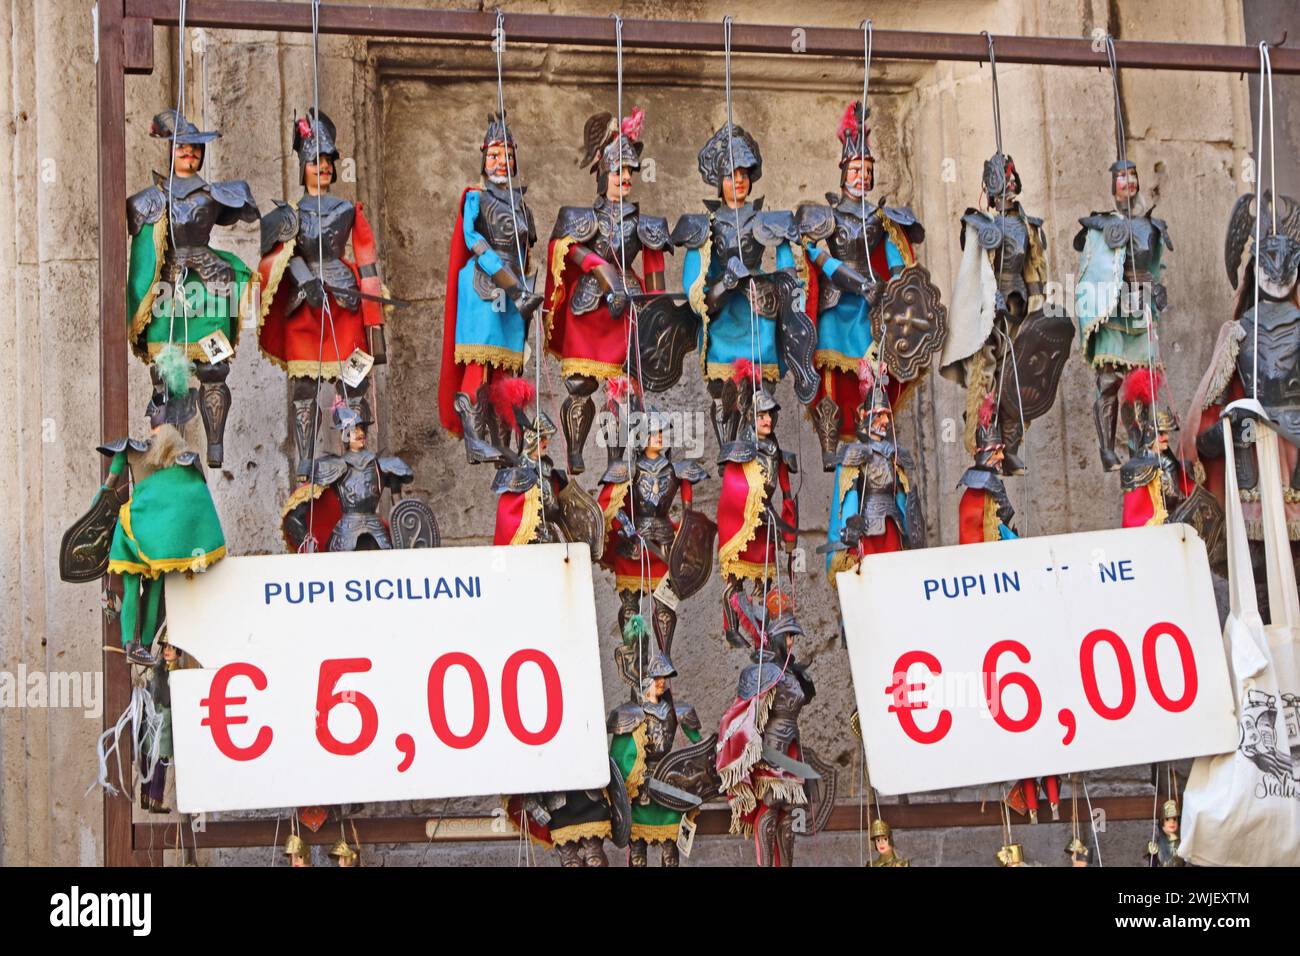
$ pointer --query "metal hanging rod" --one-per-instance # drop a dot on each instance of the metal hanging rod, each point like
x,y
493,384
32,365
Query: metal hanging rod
x,y
846,41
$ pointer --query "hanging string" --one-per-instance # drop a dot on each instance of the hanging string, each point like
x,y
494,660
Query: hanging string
x,y
1265,89
178,287
1092,822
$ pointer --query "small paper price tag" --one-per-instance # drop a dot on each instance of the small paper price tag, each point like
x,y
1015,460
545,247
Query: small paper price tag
x,y
216,347
356,368
665,595
686,836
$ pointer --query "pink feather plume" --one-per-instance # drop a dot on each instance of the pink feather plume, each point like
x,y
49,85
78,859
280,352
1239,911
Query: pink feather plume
x,y
632,125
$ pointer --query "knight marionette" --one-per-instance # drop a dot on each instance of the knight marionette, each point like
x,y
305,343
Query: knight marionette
x,y
181,291
155,749
857,247
886,853
753,528
1118,317
337,509
1155,482
1001,339
318,308
1163,850
1258,350
875,507
490,301
745,313
985,512
637,498
153,516
528,484
760,760
592,276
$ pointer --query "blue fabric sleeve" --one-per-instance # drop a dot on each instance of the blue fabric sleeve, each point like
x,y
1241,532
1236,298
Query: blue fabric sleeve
x,y
489,261
829,264
784,256
690,270
893,257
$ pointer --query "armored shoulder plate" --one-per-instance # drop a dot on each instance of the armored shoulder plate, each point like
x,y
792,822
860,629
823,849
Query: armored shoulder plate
x,y
774,228
791,461
575,222
395,470
237,199
738,451
624,719
815,221
328,469
687,717
985,228
1139,472
691,230
1036,226
690,470
756,677
1162,227
904,458
279,225
852,454
514,479
905,218
1094,220
110,449
653,232
981,479
145,206
616,473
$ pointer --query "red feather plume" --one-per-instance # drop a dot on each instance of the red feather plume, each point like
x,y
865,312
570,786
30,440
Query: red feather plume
x,y
986,411
507,394
618,389
848,123
1141,386
745,370
632,125
867,375
304,127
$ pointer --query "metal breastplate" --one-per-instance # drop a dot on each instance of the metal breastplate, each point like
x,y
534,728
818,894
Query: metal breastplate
x,y
768,457
506,231
359,490
660,727
1170,480
846,242
1009,261
1279,363
878,488
727,243
606,243
188,232
325,235
654,491
1139,239
783,719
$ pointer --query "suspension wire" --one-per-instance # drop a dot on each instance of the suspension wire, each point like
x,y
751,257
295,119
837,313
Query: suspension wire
x,y
1265,87
1092,822
182,271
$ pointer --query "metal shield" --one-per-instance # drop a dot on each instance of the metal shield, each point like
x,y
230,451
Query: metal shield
x,y
692,770
820,793
690,560
910,323
666,331
1042,349
620,808
797,335
83,554
413,525
582,519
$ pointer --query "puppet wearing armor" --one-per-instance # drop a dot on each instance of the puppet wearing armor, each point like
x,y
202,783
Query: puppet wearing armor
x,y
1155,483
1163,850
179,289
592,276
1117,316
856,247
985,512
318,307
1001,340
489,298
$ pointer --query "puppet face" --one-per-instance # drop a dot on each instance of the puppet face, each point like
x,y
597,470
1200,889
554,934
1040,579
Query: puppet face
x,y
997,455
859,177
1170,826
355,438
763,425
188,158
880,423
883,846
654,443
319,175
1124,185
620,185
735,188
499,163
170,654
1276,290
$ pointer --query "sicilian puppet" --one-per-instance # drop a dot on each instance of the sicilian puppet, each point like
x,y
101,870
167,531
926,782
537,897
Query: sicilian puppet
x,y
637,493
985,512
592,281
343,854
1257,351
1011,855
154,516
745,314
753,528
644,730
319,308
1118,317
1163,850
875,507
762,765
882,837
155,747
337,508
1154,481
180,291
1001,338
856,247
489,296
527,483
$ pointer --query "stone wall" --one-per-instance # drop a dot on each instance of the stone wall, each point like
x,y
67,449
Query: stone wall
x,y
410,116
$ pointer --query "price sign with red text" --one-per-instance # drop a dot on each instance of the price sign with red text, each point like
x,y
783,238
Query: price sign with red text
x,y
388,675
1013,659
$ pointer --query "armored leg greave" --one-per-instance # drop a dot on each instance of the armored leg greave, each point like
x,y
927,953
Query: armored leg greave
x,y
784,837
476,422
730,619
1012,435
670,855
593,851
214,406
570,854
304,419
639,854
629,604
765,837
1106,412
576,415
826,422
665,622
357,398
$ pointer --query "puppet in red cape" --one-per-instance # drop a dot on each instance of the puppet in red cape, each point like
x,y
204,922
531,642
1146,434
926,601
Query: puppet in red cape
x,y
1153,480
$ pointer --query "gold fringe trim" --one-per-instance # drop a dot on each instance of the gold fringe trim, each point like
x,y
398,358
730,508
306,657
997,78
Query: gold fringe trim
x,y
800,265
1289,496
1035,267
696,299
662,833
990,518
301,494
750,569
193,351
841,561
755,496
848,475
824,359
979,381
789,791
580,831
508,360
584,366
144,311
1160,515
531,518
155,569
636,776
558,254
723,371
306,368
278,265
615,504
897,236
629,582
1221,375
741,800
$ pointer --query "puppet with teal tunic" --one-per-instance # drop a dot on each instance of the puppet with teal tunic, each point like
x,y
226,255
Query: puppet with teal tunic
x,y
745,313
1119,298
857,247
181,291
153,516
490,299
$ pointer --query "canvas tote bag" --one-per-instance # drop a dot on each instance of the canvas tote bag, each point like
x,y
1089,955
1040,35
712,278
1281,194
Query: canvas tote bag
x,y
1243,808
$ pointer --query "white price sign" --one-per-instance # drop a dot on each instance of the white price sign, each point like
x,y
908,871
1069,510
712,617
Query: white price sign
x,y
388,675
1016,659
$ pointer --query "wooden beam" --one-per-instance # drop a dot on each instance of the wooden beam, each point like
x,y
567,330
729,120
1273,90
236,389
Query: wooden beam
x,y
137,39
